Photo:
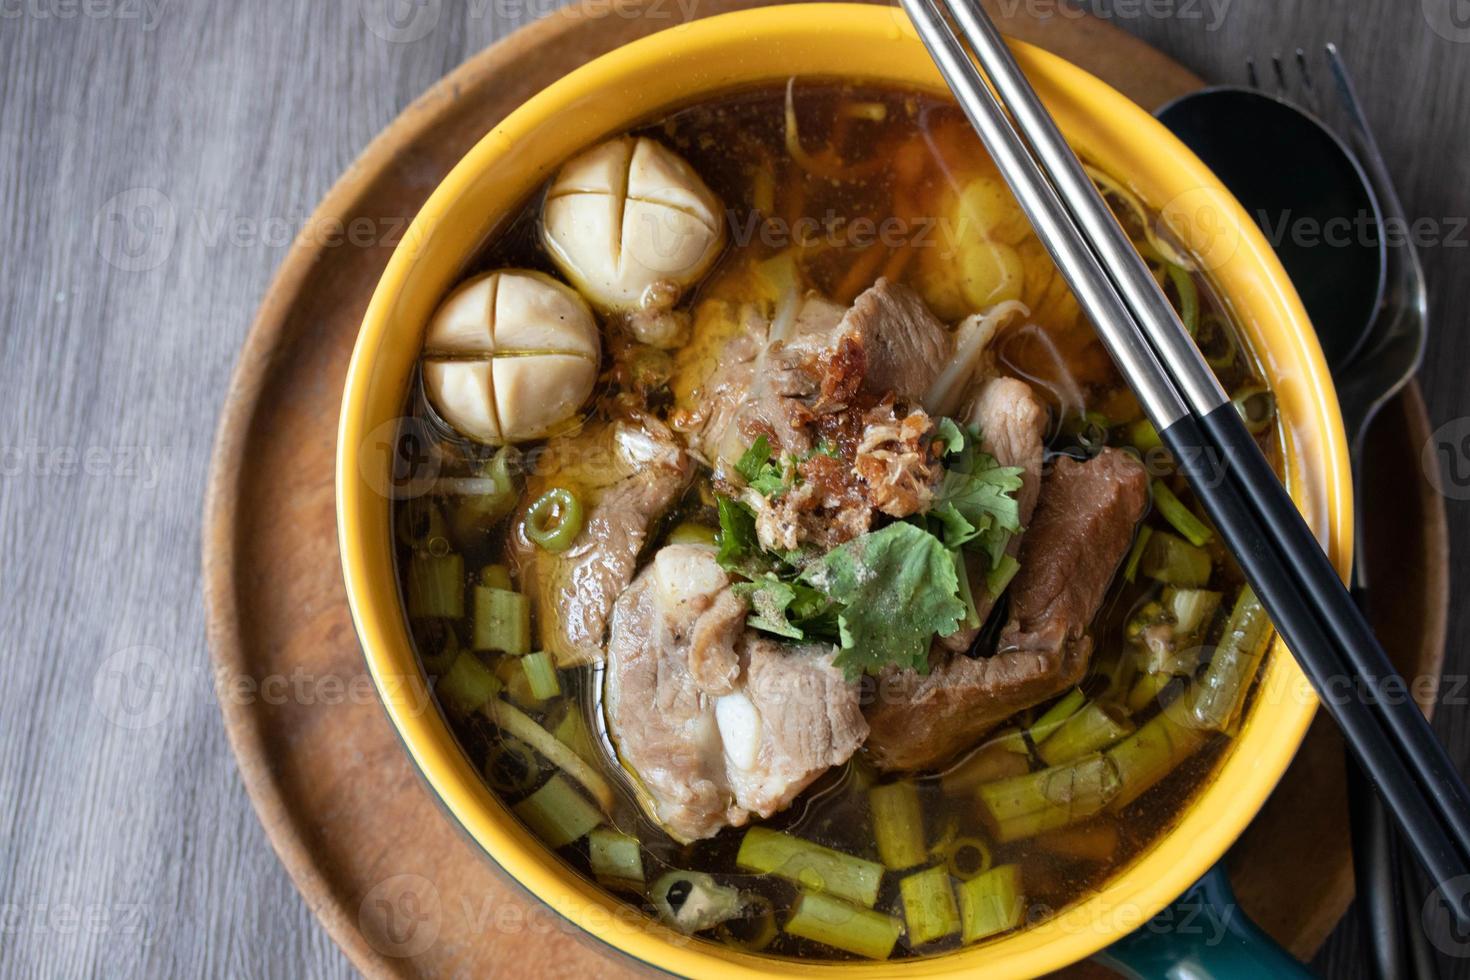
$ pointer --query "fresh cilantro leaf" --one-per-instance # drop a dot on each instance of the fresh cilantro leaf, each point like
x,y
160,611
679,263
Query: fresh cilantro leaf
x,y
985,499
765,475
814,613
769,599
750,463
791,609
769,481
962,575
897,589
948,432
954,529
739,547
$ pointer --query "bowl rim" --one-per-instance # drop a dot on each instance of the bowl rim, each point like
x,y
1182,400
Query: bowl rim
x,y
1317,473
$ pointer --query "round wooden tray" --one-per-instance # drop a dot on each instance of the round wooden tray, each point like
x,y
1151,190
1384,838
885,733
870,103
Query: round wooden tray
x,y
382,867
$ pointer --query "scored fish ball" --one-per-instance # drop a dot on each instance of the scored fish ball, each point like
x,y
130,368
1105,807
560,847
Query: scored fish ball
x,y
509,356
628,215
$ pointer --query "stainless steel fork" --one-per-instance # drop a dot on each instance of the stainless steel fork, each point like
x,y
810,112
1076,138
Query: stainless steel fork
x,y
1394,348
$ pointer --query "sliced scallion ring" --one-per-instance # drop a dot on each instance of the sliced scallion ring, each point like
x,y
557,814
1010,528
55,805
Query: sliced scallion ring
x,y
554,520
1257,408
967,857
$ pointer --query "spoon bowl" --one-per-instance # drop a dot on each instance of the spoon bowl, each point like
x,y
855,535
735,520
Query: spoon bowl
x,y
1309,195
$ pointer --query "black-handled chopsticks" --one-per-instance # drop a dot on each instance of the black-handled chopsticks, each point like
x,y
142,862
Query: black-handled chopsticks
x,y
1196,420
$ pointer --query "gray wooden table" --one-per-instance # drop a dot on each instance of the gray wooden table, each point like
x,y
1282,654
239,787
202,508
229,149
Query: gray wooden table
x,y
156,157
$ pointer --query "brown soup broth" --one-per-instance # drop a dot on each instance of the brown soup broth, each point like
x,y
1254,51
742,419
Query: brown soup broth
x,y
898,157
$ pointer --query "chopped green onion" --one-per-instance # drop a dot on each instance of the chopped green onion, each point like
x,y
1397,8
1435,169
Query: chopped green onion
x,y
1148,755
1130,568
1191,608
615,856
437,662
1024,806
898,824
517,685
966,857
692,901
1180,516
502,620
557,813
810,865
467,685
1144,436
420,523
496,577
1091,430
842,925
554,520
1174,561
1188,294
436,586
1216,340
1094,727
1220,695
540,672
991,902
929,906
1257,408
513,721
946,837
1146,690
511,767
1051,719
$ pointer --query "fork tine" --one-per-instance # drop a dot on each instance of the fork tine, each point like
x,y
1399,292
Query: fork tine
x,y
1309,95
1250,72
1373,161
1306,72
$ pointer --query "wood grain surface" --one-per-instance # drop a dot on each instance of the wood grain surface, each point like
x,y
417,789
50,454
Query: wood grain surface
x,y
156,159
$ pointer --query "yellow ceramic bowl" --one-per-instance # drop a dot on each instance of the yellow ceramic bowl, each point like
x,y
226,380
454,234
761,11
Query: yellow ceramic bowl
x,y
767,45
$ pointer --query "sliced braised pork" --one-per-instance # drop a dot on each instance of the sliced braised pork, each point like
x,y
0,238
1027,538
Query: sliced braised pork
x,y
1079,534
627,474
904,345
836,394
717,722
1084,526
760,387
